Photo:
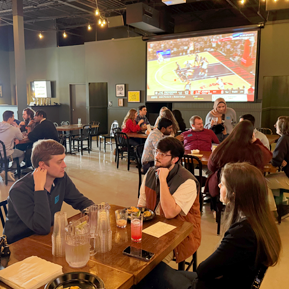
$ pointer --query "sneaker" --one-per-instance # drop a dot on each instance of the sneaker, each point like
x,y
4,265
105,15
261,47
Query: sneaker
x,y
10,176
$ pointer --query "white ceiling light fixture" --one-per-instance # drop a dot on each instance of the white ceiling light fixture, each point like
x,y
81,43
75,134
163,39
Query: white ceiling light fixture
x,y
173,2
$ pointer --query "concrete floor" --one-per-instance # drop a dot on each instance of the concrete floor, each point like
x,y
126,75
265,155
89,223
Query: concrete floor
x,y
97,177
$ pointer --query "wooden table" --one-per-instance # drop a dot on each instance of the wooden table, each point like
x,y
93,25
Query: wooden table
x,y
204,159
272,138
114,268
137,135
72,127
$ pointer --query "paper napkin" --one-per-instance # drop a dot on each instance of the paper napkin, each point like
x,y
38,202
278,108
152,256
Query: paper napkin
x,y
159,229
31,273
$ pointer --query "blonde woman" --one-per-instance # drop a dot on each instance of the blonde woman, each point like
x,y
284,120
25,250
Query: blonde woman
x,y
160,116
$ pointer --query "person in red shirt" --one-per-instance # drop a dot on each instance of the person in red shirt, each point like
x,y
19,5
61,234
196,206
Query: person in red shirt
x,y
129,125
199,138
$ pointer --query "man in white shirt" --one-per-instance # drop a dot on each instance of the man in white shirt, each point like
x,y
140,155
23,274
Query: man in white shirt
x,y
172,191
264,140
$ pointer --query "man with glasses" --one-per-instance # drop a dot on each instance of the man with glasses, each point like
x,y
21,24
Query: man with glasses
x,y
172,191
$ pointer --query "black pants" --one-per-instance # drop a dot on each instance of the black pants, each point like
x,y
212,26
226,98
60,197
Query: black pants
x,y
165,277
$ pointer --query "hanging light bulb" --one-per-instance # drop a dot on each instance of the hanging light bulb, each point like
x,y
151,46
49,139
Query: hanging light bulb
x,y
99,21
40,35
103,22
89,27
64,34
97,11
242,1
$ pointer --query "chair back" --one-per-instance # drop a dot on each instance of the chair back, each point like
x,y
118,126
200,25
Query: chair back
x,y
259,277
121,139
65,122
3,156
85,131
94,131
3,212
55,124
114,125
193,163
265,130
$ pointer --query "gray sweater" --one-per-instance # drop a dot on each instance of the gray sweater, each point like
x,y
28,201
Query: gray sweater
x,y
230,120
8,133
32,212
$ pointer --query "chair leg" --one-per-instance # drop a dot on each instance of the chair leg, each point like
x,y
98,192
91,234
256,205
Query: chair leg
x,y
128,158
195,262
117,158
18,169
81,147
104,145
181,266
97,140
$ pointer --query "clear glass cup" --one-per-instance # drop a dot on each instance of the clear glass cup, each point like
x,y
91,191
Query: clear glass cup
x,y
121,218
77,243
136,227
92,214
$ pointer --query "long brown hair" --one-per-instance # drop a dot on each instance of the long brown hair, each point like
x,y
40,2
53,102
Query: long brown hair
x,y
130,115
247,196
169,115
238,147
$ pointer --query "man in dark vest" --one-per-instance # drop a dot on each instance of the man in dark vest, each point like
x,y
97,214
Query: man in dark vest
x,y
172,191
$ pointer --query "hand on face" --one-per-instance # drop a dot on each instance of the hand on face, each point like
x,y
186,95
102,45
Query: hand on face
x,y
39,176
253,138
163,173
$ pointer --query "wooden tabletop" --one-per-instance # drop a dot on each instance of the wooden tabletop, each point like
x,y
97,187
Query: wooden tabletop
x,y
114,268
137,135
204,159
73,127
272,138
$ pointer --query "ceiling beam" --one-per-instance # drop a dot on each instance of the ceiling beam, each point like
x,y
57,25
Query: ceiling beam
x,y
76,7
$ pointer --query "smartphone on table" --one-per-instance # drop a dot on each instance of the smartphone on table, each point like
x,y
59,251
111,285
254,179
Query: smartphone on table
x,y
138,253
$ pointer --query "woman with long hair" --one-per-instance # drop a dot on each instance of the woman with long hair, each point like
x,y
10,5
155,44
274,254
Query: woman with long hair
x,y
129,125
251,240
240,146
160,116
166,113
221,119
179,118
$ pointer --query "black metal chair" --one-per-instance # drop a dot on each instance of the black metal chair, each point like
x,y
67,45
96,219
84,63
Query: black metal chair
x,y
193,164
138,152
94,131
109,136
123,148
3,212
4,163
84,136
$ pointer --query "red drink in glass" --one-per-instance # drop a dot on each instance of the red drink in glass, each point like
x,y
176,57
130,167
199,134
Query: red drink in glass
x,y
136,229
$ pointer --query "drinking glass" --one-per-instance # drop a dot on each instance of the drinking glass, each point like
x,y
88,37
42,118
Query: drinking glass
x,y
77,243
58,235
121,218
92,213
136,227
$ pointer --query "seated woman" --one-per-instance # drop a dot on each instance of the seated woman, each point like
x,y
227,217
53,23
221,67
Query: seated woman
x,y
160,116
251,240
129,125
221,119
280,158
178,116
240,146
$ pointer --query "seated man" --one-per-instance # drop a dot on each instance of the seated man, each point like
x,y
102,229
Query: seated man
x,y
10,135
142,111
198,137
28,124
263,139
45,129
172,191
165,128
35,198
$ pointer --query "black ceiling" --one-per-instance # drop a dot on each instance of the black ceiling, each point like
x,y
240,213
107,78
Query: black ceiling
x,y
192,16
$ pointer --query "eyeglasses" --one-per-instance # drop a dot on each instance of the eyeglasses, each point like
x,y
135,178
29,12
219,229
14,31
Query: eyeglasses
x,y
157,152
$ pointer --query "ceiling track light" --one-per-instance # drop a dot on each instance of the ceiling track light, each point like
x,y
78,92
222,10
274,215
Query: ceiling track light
x,y
40,35
64,35
89,27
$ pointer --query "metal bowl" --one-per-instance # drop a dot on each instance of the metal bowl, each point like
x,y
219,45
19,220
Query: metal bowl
x,y
83,280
